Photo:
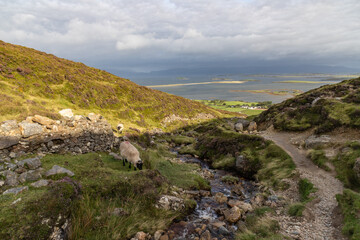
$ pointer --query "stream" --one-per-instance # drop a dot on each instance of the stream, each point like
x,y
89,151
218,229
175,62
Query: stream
x,y
207,220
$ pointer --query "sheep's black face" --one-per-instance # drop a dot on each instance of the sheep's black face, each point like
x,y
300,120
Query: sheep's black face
x,y
139,165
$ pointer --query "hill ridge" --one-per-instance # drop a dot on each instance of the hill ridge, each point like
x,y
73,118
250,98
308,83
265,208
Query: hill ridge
x,y
35,82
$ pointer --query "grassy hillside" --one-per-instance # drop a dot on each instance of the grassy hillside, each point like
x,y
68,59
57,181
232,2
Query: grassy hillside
x,y
324,108
34,82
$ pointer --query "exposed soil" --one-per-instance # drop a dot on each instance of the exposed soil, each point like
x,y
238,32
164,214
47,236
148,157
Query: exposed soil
x,y
321,217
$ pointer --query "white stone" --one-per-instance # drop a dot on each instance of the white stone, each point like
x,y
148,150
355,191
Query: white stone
x,y
66,113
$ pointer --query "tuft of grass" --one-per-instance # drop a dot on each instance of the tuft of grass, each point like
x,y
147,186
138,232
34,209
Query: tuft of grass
x,y
305,188
260,225
349,202
296,209
318,158
189,149
230,179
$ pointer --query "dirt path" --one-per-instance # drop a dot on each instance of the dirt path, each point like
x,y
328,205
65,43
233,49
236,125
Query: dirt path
x,y
322,214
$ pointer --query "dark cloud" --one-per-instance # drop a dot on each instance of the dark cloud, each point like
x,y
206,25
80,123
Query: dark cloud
x,y
141,35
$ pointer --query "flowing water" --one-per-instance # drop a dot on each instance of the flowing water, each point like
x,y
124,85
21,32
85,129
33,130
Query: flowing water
x,y
206,216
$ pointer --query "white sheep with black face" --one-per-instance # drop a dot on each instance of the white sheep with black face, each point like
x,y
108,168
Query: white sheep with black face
x,y
120,127
130,153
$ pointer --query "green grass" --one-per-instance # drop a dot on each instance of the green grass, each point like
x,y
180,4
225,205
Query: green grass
x,y
305,188
265,161
105,185
230,179
349,202
260,225
344,164
296,209
318,158
337,106
234,106
34,82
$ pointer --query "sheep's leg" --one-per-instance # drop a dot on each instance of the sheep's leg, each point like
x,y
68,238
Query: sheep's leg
x,y
123,162
126,160
134,168
130,165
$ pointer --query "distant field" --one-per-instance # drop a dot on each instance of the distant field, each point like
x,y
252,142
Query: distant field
x,y
277,92
302,81
234,106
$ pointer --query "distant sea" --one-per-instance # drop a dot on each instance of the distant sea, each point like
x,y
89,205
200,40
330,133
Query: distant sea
x,y
238,87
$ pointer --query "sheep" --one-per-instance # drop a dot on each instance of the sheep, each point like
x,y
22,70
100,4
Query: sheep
x,y
130,153
120,127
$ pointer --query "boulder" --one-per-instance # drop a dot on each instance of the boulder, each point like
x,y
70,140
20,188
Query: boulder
x,y
233,215
245,207
170,203
43,120
31,175
220,198
244,122
252,126
8,141
317,141
94,117
79,118
40,183
356,168
205,235
58,170
245,166
223,231
16,190
11,166
66,113
30,129
239,127
141,236
30,163
158,234
11,178
8,126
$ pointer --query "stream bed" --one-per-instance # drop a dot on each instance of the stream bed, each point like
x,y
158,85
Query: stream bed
x,y
207,221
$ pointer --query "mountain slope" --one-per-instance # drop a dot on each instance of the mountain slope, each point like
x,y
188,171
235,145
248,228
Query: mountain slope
x,y
33,82
324,108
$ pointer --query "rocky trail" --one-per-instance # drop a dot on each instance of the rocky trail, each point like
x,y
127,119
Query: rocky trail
x,y
321,219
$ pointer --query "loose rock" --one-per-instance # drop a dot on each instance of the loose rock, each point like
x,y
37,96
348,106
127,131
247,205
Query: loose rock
x,y
16,190
40,183
58,170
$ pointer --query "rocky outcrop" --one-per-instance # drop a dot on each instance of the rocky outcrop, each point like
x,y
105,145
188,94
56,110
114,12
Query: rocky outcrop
x,y
245,125
38,134
317,141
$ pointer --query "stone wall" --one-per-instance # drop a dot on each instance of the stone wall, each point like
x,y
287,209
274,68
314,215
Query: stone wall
x,y
71,134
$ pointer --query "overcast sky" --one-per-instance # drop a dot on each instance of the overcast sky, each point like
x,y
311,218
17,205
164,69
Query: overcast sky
x,y
144,35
